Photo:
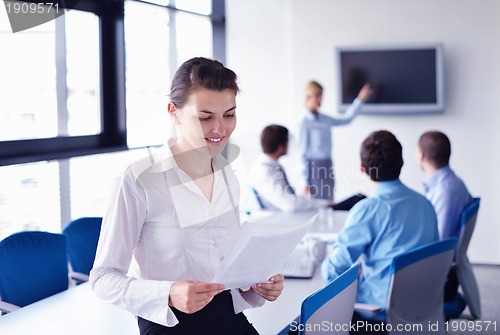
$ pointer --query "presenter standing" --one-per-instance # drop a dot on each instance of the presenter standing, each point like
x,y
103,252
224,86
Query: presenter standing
x,y
173,217
315,140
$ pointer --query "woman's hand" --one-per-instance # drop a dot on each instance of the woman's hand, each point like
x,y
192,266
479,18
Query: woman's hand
x,y
365,92
190,296
270,291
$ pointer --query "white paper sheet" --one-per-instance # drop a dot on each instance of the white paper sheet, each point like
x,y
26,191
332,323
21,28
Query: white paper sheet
x,y
258,252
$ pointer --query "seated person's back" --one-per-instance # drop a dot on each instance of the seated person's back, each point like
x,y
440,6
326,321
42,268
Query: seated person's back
x,y
393,220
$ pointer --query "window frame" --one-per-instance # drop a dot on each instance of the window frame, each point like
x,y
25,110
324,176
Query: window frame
x,y
113,135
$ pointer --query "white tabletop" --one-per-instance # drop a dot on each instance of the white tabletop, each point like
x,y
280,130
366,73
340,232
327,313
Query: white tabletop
x,y
76,311
271,318
326,228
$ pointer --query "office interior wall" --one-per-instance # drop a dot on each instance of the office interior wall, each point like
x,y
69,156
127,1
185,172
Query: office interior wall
x,y
277,46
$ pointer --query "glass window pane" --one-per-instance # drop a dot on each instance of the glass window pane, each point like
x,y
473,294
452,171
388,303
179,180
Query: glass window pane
x,y
193,36
147,74
28,102
29,198
82,62
195,6
92,177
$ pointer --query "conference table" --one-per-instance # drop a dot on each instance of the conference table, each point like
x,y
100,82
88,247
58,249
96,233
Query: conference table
x,y
78,311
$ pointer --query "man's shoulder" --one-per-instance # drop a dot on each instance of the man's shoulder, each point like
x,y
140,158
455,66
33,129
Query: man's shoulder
x,y
368,206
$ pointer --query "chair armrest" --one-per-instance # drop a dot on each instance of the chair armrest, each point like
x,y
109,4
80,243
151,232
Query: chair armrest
x,y
6,307
360,307
79,277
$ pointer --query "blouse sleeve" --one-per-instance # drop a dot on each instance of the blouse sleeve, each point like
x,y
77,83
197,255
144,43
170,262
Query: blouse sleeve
x,y
120,232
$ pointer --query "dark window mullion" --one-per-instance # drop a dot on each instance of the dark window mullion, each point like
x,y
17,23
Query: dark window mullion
x,y
219,30
112,42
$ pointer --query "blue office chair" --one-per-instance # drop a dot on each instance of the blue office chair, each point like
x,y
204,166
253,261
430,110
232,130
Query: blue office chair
x,y
463,268
259,200
82,235
33,266
416,289
333,303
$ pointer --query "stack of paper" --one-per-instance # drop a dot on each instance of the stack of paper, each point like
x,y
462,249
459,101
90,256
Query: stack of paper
x,y
258,252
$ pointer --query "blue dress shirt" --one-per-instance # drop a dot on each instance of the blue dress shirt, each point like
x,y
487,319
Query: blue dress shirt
x,y
315,135
394,220
449,196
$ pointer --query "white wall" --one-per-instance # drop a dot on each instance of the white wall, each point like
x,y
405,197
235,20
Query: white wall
x,y
277,46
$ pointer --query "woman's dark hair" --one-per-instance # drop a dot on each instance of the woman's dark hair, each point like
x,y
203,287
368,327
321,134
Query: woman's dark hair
x,y
198,73
382,156
272,137
436,148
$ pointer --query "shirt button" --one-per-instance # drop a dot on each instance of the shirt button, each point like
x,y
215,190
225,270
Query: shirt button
x,y
216,245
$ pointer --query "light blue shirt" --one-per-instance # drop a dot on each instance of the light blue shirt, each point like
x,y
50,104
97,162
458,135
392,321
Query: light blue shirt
x,y
394,220
315,135
449,196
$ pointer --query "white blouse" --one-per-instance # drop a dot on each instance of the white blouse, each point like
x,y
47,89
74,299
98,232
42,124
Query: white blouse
x,y
160,228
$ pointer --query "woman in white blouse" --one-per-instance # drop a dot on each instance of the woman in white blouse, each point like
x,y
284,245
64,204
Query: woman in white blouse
x,y
172,218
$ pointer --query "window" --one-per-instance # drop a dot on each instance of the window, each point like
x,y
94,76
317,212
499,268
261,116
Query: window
x,y
67,94
53,91
147,73
46,96
29,198
157,40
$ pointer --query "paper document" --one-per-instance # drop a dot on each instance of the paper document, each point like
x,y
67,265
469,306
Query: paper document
x,y
259,251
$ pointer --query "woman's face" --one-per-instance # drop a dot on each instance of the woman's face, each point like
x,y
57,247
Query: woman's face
x,y
313,101
207,120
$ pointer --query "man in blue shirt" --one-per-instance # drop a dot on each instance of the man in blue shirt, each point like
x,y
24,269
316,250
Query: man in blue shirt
x,y
447,192
315,139
443,188
393,220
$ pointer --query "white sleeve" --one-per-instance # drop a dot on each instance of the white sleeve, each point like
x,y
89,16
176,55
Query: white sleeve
x,y
120,232
274,190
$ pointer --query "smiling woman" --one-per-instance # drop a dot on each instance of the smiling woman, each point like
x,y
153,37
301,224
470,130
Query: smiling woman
x,y
175,215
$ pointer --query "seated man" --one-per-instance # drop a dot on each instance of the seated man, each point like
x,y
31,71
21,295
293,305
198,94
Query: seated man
x,y
268,179
443,188
393,220
445,191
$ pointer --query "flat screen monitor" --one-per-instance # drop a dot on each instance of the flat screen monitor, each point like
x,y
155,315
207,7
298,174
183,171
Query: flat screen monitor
x,y
405,79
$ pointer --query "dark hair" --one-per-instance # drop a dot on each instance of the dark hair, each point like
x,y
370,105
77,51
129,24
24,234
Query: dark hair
x,y
436,148
197,73
272,137
382,156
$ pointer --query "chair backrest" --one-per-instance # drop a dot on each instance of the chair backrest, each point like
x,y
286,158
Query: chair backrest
x,y
82,235
33,266
467,225
259,200
333,303
465,273
416,289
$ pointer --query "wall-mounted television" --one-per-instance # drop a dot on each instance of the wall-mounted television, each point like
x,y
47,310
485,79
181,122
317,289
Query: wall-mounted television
x,y
405,79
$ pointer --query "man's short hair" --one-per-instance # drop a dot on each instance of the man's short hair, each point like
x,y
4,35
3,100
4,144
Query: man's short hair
x,y
272,137
382,156
436,148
